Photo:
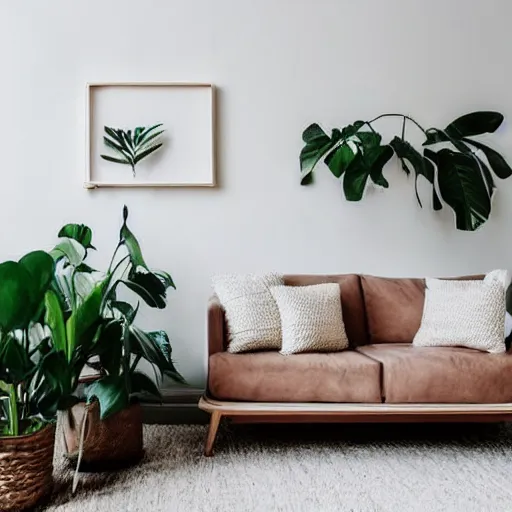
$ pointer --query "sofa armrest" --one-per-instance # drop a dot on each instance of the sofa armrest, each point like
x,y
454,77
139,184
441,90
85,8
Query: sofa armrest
x,y
216,326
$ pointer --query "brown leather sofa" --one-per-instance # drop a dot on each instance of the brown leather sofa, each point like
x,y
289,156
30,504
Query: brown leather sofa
x,y
382,377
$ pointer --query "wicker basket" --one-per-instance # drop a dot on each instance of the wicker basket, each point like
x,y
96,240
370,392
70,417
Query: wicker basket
x,y
110,444
26,467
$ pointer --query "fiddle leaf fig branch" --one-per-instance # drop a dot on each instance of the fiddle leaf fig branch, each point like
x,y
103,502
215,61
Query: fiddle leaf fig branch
x,y
459,168
131,147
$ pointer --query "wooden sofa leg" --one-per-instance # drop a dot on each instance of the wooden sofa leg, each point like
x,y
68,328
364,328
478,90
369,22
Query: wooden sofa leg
x,y
212,433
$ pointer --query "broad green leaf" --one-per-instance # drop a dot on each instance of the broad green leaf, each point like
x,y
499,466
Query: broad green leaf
x,y
115,160
85,317
463,188
41,267
475,123
432,156
84,268
147,152
148,287
14,296
54,318
79,232
496,161
339,159
128,238
421,166
351,129
15,365
109,346
165,278
70,249
317,145
111,393
369,139
141,383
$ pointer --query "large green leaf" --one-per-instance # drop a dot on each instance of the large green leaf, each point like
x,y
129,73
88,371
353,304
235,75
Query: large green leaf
x,y
148,287
41,267
339,159
463,188
421,166
496,161
79,232
165,278
14,296
70,249
82,324
366,165
318,143
15,365
111,393
109,346
132,245
475,123
54,319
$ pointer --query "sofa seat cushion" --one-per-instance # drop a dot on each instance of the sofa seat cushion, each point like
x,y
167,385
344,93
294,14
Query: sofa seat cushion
x,y
442,374
271,377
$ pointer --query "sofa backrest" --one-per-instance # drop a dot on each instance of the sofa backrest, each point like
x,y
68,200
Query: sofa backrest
x,y
352,303
394,307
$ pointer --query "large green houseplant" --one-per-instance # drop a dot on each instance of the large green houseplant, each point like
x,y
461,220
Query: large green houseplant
x,y
456,164
30,384
91,326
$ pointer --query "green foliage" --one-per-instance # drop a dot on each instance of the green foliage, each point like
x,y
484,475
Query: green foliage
x,y
132,147
23,379
94,323
459,168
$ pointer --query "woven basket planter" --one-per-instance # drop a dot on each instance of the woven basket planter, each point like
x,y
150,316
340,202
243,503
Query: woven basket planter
x,y
26,467
109,444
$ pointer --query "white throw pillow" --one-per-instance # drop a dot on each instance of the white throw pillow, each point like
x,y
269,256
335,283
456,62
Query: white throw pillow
x,y
464,313
251,311
311,318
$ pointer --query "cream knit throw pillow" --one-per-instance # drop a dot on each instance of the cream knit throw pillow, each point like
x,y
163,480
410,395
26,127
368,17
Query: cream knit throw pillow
x,y
464,313
311,318
251,312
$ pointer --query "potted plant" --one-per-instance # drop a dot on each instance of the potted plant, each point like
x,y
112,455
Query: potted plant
x,y
30,386
91,326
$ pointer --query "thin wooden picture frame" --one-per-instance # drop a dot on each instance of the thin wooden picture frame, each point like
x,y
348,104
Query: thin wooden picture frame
x,y
91,183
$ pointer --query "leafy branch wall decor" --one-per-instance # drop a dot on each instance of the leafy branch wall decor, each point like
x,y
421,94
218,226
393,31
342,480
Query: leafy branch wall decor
x,y
132,147
459,168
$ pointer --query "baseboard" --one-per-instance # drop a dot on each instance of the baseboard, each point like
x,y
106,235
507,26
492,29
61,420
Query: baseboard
x,y
178,407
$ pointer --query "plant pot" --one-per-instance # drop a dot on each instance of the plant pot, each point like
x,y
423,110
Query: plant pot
x,y
26,467
113,443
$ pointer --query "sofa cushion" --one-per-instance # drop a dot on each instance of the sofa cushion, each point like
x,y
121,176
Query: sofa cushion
x,y
442,374
271,377
394,307
352,304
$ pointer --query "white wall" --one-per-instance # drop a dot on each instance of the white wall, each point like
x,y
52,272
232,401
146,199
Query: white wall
x,y
279,65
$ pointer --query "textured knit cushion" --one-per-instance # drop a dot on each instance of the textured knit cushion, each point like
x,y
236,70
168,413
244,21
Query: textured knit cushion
x,y
251,312
465,314
311,318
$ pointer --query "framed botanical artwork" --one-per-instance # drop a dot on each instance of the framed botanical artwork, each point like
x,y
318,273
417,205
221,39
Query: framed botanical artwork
x,y
150,134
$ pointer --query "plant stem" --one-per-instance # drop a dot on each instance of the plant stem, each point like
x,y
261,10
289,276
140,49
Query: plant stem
x,y
13,411
399,115
135,363
403,128
113,257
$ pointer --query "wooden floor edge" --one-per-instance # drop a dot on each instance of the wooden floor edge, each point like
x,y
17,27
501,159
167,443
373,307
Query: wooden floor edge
x,y
228,408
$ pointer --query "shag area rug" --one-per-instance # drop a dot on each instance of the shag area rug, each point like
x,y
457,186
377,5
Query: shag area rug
x,y
312,468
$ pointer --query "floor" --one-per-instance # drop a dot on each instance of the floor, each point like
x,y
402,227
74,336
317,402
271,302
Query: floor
x,y
297,468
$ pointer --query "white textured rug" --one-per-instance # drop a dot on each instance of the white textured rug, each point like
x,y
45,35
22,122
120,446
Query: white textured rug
x,y
297,468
